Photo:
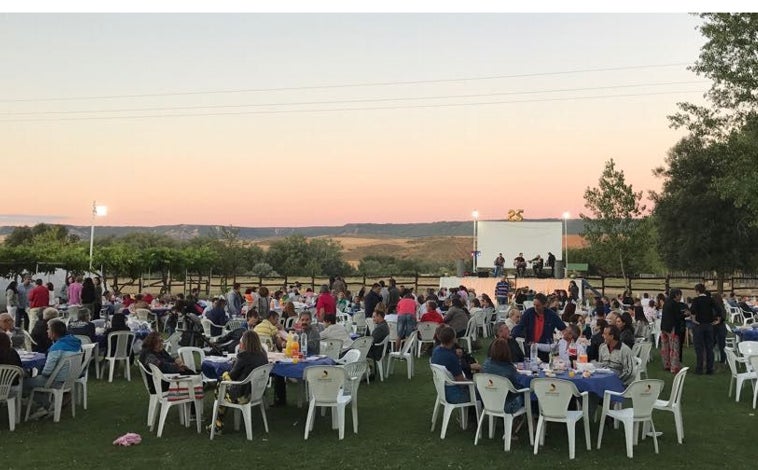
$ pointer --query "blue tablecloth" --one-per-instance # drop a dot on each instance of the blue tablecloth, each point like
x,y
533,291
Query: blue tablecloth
x,y
597,383
214,369
748,334
31,361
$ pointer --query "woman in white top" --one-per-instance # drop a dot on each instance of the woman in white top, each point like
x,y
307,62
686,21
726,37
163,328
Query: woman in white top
x,y
514,317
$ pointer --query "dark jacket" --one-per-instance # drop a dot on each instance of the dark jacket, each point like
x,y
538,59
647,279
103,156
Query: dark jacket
x,y
627,337
525,328
380,331
370,302
246,362
703,309
10,358
84,328
672,317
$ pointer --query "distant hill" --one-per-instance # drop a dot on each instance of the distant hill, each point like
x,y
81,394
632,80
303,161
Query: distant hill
x,y
417,230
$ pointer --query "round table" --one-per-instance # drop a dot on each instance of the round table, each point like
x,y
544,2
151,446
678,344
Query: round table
x,y
596,384
214,366
32,360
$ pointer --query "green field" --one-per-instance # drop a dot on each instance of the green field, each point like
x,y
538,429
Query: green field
x,y
394,433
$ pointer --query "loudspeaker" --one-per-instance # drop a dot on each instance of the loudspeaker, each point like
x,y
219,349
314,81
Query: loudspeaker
x,y
481,273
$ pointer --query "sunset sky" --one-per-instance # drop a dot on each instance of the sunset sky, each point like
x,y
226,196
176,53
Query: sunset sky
x,y
257,119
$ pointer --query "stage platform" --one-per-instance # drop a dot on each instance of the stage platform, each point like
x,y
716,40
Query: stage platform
x,y
486,285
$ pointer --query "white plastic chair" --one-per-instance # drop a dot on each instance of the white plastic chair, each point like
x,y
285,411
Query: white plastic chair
x,y
554,396
480,317
359,323
521,344
289,323
165,404
405,354
152,397
737,377
393,334
123,341
257,379
674,403
7,375
642,352
735,314
426,330
747,349
753,362
469,335
171,345
380,362
193,358
73,367
207,325
363,344
331,348
351,356
353,372
644,394
493,390
325,385
28,341
81,382
442,377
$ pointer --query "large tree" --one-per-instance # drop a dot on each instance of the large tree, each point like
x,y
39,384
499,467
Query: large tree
x,y
614,225
729,58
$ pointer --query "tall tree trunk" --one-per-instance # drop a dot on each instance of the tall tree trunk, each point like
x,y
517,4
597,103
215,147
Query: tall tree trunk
x,y
720,276
623,271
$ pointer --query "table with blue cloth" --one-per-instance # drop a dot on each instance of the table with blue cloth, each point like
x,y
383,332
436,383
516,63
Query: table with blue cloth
x,y
32,360
747,334
214,366
596,384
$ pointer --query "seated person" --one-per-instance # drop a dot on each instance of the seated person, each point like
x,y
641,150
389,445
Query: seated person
x,y
616,355
567,346
8,327
514,317
593,350
271,328
444,355
39,332
312,334
500,362
335,331
503,332
153,353
457,317
379,333
82,326
9,356
228,342
519,262
432,314
251,356
217,316
64,345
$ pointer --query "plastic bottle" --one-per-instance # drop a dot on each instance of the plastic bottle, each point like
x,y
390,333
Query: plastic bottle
x,y
533,353
304,343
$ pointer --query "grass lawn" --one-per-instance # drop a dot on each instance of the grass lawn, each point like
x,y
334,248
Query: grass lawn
x,y
394,432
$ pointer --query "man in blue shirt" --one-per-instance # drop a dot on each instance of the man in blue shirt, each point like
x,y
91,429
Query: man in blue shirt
x,y
217,316
444,355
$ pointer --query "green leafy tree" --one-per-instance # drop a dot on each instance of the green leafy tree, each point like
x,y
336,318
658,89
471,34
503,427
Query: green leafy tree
x,y
729,58
613,227
698,229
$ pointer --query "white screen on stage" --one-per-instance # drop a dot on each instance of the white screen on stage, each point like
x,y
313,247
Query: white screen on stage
x,y
512,238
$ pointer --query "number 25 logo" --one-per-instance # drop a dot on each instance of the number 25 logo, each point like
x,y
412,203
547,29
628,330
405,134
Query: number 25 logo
x,y
516,215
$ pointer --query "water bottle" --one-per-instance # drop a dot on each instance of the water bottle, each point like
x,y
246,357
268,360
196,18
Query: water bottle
x,y
304,343
533,353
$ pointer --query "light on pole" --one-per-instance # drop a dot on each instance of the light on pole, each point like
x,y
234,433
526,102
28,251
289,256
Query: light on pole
x,y
97,211
566,216
475,215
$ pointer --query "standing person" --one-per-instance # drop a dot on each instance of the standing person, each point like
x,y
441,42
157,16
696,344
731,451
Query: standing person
x,y
372,299
75,291
719,330
406,318
98,297
11,298
22,317
88,295
39,299
325,303
550,263
51,294
393,297
537,325
499,265
672,332
234,301
502,290
704,318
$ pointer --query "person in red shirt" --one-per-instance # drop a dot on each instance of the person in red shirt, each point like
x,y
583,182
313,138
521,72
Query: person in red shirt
x,y
432,314
39,299
325,303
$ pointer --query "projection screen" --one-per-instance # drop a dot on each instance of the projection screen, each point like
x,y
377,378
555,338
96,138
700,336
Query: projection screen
x,y
512,238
